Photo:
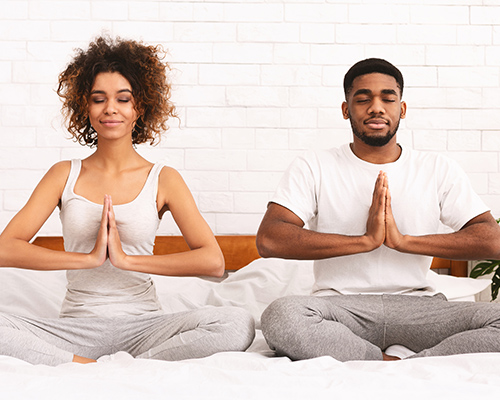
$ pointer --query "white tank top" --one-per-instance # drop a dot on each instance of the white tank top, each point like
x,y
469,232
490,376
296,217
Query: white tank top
x,y
107,291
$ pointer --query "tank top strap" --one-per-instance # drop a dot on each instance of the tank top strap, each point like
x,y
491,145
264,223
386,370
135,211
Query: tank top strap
x,y
74,173
151,185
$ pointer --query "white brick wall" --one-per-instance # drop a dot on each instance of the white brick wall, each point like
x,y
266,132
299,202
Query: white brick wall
x,y
256,82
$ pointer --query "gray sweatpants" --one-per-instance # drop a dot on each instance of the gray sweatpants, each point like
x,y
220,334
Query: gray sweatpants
x,y
360,327
171,337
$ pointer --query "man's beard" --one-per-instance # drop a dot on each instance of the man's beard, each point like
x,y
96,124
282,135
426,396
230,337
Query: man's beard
x,y
375,141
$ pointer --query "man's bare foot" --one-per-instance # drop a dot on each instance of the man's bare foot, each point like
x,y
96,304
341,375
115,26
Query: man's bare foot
x,y
390,358
82,360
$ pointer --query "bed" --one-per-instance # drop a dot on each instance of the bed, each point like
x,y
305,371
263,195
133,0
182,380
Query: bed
x,y
251,283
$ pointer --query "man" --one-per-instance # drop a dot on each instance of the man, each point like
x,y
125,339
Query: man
x,y
369,213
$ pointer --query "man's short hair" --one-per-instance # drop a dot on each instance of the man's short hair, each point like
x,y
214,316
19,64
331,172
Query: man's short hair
x,y
371,65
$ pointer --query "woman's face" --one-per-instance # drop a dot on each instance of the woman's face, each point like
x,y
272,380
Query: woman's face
x,y
111,107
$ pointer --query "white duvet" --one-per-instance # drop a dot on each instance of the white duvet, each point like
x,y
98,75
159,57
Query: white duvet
x,y
255,374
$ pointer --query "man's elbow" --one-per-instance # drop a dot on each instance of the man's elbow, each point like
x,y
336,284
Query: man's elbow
x,y
265,245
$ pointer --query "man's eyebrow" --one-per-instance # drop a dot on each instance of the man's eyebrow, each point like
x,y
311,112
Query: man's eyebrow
x,y
368,91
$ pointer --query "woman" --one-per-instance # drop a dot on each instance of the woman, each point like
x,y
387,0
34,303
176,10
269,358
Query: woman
x,y
115,95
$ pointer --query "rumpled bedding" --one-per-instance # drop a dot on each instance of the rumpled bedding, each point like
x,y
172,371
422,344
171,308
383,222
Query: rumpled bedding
x,y
255,374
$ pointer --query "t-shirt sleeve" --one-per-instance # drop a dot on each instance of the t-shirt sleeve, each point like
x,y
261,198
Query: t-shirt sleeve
x,y
459,202
297,189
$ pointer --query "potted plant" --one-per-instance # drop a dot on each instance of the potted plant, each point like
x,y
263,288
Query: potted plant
x,y
489,267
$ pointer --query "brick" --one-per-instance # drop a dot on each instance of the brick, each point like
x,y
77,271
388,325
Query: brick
x,y
468,76
215,117
492,201
476,161
217,160
263,117
440,15
230,224
257,96
327,54
485,15
425,34
353,34
83,31
238,138
312,96
207,180
317,33
199,96
148,31
108,10
430,140
288,53
175,11
433,119
13,94
25,30
213,12
316,13
19,179
14,9
317,139
243,53
11,51
204,32
474,35
144,11
291,75
464,140
486,119
251,202
272,138
219,202
494,183
191,53
253,12
60,10
491,141
186,138
270,32
229,74
368,13
254,181
299,118
270,160
18,136
454,55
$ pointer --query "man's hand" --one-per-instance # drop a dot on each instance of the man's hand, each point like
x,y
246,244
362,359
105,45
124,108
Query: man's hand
x,y
393,237
375,225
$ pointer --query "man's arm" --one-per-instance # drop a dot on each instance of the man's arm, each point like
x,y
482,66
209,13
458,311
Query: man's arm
x,y
478,239
282,234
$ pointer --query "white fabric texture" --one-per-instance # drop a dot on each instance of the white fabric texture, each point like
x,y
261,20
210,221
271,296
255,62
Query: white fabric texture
x,y
331,191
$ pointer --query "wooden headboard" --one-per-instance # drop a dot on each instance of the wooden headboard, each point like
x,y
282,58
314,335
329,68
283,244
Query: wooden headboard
x,y
239,250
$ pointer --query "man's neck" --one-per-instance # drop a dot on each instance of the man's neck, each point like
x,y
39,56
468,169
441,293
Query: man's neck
x,y
377,155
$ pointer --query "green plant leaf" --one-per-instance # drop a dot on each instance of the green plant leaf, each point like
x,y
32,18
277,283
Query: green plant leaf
x,y
484,268
495,285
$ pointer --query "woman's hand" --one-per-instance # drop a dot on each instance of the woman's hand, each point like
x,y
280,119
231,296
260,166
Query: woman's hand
x,y
100,251
117,256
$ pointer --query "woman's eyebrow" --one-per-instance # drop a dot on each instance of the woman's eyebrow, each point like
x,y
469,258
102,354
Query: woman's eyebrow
x,y
104,92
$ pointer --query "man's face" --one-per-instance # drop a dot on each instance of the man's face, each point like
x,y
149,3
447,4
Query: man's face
x,y
374,108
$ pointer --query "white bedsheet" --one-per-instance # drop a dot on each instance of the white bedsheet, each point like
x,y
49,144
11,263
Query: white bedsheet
x,y
255,374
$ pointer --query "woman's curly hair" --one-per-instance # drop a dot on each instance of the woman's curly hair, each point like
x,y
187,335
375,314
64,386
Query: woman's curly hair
x,y
140,64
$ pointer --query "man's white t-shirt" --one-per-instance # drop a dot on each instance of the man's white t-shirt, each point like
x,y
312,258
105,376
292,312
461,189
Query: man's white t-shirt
x,y
331,191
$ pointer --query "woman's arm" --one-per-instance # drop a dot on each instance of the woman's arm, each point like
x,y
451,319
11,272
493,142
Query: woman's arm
x,y
15,249
204,258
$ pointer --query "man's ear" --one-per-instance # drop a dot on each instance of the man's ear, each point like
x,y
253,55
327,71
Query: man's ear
x,y
345,110
403,109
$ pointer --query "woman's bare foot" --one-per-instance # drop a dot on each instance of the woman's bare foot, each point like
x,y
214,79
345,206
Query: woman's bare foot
x,y
82,360
389,358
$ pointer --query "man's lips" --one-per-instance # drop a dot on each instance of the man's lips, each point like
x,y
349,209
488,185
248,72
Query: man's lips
x,y
376,124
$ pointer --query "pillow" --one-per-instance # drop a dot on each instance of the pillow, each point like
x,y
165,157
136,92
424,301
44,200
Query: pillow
x,y
31,293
